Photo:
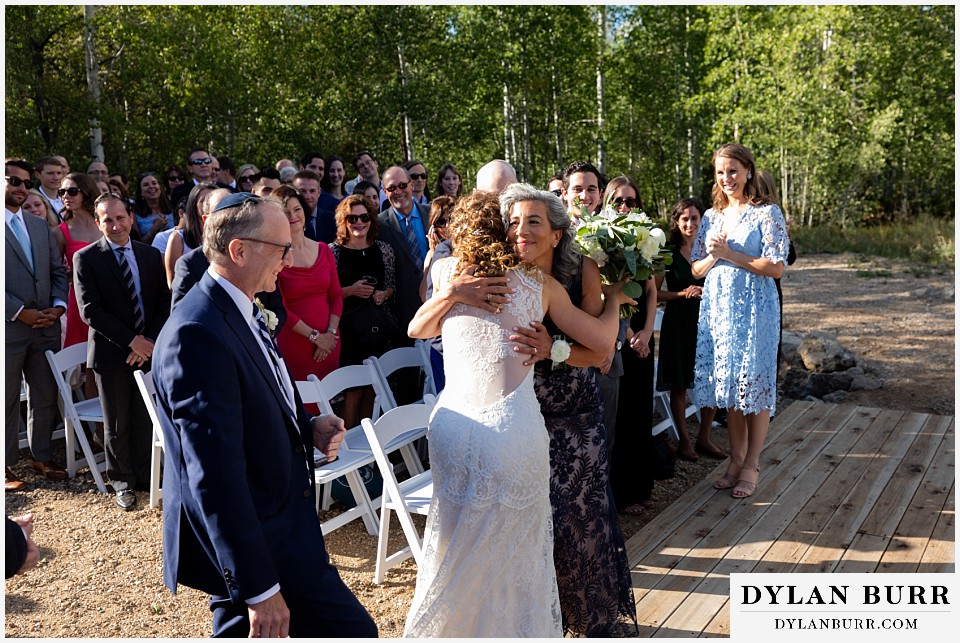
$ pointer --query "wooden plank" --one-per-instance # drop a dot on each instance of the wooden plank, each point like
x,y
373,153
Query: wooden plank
x,y
704,541
838,532
863,555
938,558
809,518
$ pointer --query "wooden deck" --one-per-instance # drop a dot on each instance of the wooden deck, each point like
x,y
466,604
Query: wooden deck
x,y
842,489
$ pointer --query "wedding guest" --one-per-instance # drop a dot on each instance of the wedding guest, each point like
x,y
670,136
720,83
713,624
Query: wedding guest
x,y
490,519
78,230
49,173
367,274
22,553
555,184
418,181
440,210
39,207
190,234
582,188
152,208
332,182
449,181
740,248
246,175
368,190
173,177
678,333
266,182
309,341
495,176
368,169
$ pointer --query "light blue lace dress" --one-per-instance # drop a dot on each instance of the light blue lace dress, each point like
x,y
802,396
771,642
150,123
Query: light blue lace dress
x,y
739,327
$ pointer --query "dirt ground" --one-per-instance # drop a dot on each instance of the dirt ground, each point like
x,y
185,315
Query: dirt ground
x,y
100,569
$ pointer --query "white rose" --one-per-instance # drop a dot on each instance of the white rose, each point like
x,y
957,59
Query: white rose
x,y
651,247
560,351
659,235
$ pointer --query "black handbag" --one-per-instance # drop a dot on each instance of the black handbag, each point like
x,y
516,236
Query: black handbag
x,y
372,326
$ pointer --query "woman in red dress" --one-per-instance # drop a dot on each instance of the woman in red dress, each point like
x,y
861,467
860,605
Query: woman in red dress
x,y
78,230
309,341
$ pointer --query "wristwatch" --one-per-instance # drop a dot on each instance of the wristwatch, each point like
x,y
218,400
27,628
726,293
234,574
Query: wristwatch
x,y
314,334
332,330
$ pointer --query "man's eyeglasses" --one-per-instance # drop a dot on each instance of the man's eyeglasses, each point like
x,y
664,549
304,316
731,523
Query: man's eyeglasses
x,y
418,177
558,192
398,186
286,246
16,182
175,179
74,191
206,161
358,218
629,201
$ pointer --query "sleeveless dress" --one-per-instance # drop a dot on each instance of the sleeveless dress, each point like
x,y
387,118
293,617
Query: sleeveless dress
x,y
76,331
310,294
678,334
589,555
488,548
739,325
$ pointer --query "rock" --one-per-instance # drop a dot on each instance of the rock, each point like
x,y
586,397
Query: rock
x,y
837,397
821,384
865,383
789,345
949,293
796,383
822,353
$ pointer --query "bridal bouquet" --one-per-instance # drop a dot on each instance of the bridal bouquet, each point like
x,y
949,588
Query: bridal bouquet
x,y
624,246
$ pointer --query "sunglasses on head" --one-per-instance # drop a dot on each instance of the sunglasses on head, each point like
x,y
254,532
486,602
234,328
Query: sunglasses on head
x,y
74,191
358,218
630,202
175,177
418,177
206,161
16,182
398,186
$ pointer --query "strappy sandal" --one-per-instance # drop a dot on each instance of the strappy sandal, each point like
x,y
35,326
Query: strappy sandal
x,y
745,488
728,481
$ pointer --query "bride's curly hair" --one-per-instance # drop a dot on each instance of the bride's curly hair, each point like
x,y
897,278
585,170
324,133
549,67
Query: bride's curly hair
x,y
479,236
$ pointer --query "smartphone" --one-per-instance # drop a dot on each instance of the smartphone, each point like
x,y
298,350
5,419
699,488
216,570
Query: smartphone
x,y
370,281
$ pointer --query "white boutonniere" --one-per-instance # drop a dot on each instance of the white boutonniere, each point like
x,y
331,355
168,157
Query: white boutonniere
x,y
559,352
269,317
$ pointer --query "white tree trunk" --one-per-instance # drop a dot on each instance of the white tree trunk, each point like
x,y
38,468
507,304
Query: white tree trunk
x,y
93,82
601,134
407,127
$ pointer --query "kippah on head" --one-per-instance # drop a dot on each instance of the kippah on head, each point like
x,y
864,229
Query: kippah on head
x,y
235,200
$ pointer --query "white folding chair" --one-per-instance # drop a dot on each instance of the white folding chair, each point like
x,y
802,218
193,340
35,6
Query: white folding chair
x,y
148,391
430,385
74,413
661,399
396,428
346,465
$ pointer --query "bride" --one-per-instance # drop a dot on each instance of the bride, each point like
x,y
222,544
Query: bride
x,y
488,548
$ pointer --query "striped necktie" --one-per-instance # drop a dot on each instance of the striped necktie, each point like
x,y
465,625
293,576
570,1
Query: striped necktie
x,y
127,273
412,241
271,352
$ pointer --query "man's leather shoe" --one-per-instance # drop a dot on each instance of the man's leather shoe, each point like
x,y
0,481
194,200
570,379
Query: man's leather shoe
x,y
12,482
49,470
126,500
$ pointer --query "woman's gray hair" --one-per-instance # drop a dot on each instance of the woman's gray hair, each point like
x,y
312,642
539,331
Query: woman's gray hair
x,y
565,263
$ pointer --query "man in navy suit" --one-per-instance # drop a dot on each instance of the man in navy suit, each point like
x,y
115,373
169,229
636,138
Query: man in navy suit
x,y
238,509
122,294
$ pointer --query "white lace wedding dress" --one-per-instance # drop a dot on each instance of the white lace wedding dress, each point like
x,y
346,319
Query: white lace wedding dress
x,y
488,547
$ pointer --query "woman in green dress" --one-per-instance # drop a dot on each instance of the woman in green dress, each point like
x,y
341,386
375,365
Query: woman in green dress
x,y
678,333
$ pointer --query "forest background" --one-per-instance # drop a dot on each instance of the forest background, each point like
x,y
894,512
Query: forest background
x,y
852,108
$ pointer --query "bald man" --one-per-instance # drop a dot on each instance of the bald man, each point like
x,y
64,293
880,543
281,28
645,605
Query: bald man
x,y
495,176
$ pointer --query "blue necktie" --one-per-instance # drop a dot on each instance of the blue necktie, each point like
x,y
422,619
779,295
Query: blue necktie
x,y
412,241
127,273
271,352
24,240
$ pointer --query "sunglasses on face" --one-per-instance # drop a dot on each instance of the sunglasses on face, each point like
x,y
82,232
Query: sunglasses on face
x,y
175,178
398,186
558,192
247,178
630,202
440,223
205,161
74,191
418,177
358,218
16,182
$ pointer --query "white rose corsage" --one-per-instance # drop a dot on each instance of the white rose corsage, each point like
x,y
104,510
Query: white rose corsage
x,y
269,317
559,352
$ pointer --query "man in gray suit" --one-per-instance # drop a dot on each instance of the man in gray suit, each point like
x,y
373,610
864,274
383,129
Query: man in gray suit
x,y
36,296
403,225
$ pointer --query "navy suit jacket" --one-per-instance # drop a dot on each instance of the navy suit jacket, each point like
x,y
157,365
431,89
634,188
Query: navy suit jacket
x,y
323,226
238,490
409,273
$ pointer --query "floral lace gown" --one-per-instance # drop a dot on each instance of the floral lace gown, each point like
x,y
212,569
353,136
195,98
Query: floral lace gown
x,y
739,326
488,546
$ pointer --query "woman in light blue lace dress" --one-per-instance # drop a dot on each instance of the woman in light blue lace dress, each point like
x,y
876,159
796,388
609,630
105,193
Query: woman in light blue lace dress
x,y
740,248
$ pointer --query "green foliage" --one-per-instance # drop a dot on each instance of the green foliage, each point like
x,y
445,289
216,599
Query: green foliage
x,y
850,107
